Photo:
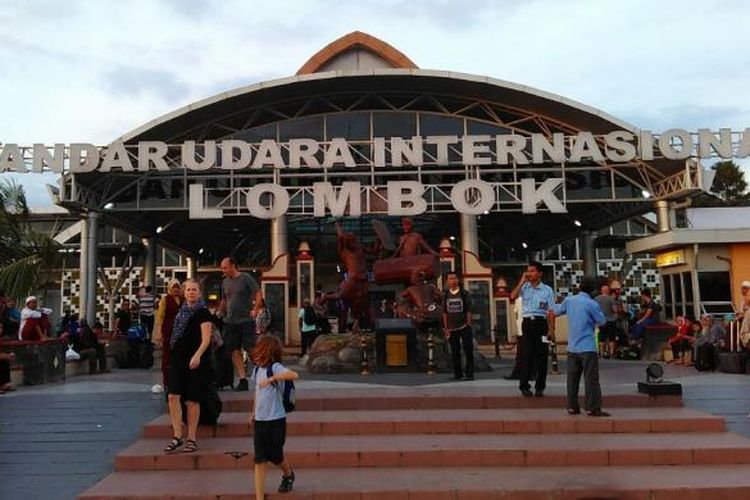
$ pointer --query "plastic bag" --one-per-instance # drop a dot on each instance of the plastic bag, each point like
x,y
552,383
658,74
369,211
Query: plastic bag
x,y
71,355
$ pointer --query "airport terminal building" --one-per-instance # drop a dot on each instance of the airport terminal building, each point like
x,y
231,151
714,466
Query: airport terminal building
x,y
491,172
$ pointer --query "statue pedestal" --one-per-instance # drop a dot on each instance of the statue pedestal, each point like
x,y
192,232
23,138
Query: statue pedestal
x,y
396,345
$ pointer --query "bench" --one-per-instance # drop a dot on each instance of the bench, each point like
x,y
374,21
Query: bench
x,y
40,361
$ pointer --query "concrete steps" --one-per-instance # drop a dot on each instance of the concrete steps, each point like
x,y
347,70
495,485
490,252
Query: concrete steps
x,y
455,443
503,421
459,483
415,398
419,450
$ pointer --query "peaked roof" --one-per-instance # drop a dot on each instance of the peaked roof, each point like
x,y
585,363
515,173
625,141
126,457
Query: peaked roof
x,y
354,40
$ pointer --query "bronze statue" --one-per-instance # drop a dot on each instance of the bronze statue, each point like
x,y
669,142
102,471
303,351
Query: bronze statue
x,y
426,303
353,289
411,243
412,256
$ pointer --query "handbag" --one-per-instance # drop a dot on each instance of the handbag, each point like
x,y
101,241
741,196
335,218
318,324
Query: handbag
x,y
264,318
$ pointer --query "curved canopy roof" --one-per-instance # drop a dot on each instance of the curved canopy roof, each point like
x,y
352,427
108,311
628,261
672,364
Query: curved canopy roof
x,y
553,107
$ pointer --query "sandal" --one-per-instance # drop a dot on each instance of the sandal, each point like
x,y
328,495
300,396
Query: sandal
x,y
173,445
286,483
190,446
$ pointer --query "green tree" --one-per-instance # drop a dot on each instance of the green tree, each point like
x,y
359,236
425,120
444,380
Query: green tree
x,y
729,183
26,256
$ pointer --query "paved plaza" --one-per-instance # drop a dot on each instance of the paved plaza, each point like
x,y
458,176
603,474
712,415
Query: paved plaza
x,y
58,440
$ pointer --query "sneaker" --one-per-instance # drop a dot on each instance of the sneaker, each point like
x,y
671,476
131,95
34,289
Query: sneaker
x,y
469,377
242,385
574,411
527,393
286,483
598,413
539,394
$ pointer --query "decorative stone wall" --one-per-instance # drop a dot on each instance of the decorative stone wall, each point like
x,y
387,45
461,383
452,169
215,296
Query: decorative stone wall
x,y
641,274
70,288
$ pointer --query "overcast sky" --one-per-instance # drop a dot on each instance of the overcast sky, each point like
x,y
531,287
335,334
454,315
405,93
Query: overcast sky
x,y
85,71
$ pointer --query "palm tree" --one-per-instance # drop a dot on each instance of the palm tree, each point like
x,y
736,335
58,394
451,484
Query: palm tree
x,y
26,256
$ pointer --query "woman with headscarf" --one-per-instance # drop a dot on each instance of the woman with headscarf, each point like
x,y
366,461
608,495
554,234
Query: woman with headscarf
x,y
190,366
165,314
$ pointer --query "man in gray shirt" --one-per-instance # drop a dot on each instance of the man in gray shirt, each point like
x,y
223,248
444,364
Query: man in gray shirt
x,y
241,299
607,332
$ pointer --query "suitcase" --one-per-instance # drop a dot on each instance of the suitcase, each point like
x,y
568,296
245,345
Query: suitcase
x,y
705,359
732,362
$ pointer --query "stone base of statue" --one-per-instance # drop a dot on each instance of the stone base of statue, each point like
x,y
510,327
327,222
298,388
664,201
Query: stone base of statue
x,y
341,353
338,353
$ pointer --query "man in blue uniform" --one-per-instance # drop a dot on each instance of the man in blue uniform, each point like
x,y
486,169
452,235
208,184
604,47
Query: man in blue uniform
x,y
537,299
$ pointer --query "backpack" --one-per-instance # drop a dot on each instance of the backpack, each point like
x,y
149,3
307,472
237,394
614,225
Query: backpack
x,y
288,396
309,316
136,332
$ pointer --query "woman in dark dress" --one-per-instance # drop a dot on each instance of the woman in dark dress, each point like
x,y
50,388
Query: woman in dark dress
x,y
190,366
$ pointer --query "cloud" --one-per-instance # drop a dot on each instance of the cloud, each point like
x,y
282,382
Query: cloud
x,y
129,81
688,116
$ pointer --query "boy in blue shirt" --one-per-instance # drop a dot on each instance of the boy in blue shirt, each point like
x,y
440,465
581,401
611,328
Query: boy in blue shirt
x,y
268,415
584,315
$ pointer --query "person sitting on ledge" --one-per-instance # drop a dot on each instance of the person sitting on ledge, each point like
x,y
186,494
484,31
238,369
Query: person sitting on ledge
x,y
5,360
682,341
35,323
86,343
649,316
707,344
12,320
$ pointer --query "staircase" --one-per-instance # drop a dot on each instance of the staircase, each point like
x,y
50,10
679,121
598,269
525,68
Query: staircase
x,y
449,443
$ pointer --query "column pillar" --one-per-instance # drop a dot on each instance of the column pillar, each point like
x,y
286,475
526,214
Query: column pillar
x,y
279,244
588,252
149,268
89,240
662,215
83,269
192,267
469,235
